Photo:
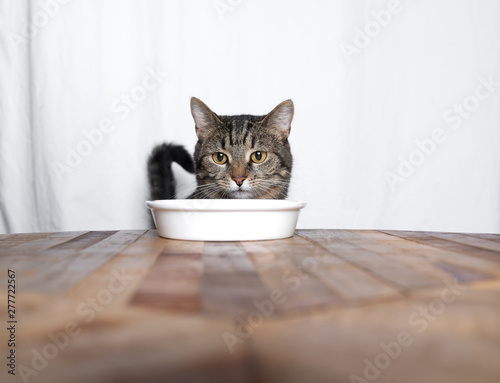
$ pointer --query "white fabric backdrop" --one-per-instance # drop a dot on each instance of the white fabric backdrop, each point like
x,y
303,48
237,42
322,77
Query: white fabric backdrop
x,y
369,80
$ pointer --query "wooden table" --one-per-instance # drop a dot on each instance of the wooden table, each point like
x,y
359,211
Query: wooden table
x,y
323,306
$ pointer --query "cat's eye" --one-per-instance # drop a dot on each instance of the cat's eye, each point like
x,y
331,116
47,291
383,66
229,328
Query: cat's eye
x,y
258,157
219,158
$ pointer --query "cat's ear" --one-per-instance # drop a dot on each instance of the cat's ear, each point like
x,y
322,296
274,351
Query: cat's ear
x,y
280,119
204,118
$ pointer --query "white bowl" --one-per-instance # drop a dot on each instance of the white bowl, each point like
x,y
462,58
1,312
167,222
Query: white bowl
x,y
225,219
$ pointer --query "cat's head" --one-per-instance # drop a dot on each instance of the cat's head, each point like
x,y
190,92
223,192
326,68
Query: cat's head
x,y
242,156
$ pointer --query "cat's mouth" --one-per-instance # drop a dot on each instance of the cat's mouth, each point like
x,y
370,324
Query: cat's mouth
x,y
240,193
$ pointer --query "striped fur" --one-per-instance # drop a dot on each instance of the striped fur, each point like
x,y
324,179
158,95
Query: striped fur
x,y
238,137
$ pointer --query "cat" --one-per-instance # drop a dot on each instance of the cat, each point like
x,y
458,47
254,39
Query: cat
x,y
236,157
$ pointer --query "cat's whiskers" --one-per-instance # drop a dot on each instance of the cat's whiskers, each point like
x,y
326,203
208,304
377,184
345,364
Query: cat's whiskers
x,y
291,185
186,187
207,190
273,180
298,191
271,185
208,186
264,190
262,185
213,191
225,193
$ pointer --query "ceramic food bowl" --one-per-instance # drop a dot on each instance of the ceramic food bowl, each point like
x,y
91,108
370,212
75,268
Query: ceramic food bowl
x,y
225,220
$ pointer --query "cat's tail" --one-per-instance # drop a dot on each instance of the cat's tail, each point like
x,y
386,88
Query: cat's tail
x,y
160,175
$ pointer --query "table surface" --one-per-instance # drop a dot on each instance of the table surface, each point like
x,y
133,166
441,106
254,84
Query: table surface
x,y
322,306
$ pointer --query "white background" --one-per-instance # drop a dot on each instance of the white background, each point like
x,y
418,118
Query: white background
x,y
357,116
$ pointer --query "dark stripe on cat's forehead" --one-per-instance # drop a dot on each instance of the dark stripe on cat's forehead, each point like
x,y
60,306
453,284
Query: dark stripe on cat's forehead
x,y
245,136
240,123
240,129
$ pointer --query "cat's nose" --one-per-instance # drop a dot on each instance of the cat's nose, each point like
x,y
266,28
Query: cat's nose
x,y
239,180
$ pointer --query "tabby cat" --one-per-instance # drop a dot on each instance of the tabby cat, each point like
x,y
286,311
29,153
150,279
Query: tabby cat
x,y
241,156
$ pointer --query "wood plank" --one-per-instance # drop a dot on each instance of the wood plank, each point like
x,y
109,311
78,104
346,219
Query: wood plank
x,y
450,251
391,270
462,274
280,266
442,269
472,241
152,309
10,240
83,241
123,273
351,282
23,257
491,237
334,346
68,263
135,345
230,282
40,259
298,265
34,245
174,281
